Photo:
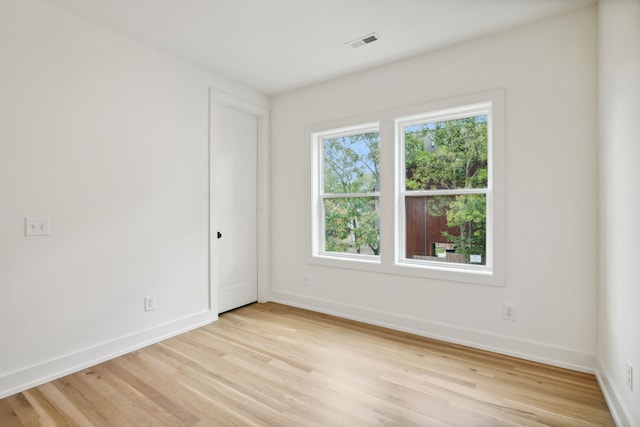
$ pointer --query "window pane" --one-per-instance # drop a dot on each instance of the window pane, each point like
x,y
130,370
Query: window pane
x,y
450,154
352,225
446,228
351,163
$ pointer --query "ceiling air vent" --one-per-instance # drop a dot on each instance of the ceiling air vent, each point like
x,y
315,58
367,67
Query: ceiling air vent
x,y
361,41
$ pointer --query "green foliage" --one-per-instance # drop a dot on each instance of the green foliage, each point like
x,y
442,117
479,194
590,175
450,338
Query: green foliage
x,y
352,225
439,156
447,155
466,213
351,165
452,155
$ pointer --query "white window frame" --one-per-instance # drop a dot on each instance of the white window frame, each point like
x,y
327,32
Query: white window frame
x,y
391,260
319,195
466,111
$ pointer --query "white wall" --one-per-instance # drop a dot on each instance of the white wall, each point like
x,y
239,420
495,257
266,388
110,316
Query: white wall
x,y
549,73
619,319
110,139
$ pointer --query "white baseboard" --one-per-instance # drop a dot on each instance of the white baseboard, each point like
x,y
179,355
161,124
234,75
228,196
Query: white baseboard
x,y
32,376
615,405
524,349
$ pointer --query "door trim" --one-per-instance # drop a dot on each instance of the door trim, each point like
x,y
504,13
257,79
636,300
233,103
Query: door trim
x,y
217,99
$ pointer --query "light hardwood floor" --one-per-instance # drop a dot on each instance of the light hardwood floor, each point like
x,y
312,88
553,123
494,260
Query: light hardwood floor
x,y
273,365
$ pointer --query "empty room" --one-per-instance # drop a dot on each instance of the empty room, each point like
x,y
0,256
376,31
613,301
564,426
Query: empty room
x,y
319,213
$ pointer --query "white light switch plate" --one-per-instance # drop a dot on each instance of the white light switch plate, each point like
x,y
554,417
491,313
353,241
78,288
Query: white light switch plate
x,y
37,226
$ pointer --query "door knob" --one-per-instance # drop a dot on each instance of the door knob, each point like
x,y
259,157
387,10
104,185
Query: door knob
x,y
219,234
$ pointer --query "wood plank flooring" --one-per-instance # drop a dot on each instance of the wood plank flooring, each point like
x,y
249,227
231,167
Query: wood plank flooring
x,y
273,365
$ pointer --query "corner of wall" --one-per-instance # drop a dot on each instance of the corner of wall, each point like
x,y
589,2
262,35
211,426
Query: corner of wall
x,y
615,405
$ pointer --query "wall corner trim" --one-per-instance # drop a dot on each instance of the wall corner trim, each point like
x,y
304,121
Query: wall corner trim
x,y
615,405
32,376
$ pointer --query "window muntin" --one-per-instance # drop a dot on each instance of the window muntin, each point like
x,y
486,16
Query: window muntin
x,y
349,192
445,188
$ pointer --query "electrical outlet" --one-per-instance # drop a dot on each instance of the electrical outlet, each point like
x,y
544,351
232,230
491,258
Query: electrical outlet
x,y
630,376
509,312
150,303
37,226
305,280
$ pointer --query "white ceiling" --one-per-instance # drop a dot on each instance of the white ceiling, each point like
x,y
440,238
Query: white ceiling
x,y
278,45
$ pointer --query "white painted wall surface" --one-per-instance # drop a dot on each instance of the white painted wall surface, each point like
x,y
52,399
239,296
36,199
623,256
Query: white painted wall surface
x,y
549,73
109,138
619,317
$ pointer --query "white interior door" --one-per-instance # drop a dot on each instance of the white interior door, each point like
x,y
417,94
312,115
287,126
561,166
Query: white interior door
x,y
234,205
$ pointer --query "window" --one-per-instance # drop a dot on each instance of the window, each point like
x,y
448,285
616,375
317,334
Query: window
x,y
444,186
416,191
349,190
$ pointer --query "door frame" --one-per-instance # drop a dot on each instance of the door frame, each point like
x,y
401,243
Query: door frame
x,y
216,100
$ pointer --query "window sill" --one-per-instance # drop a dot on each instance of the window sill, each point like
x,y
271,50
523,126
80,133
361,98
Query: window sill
x,y
473,274
348,258
476,275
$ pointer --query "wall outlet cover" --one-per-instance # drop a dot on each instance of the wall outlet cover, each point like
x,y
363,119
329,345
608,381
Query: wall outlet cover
x,y
509,312
150,303
37,226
